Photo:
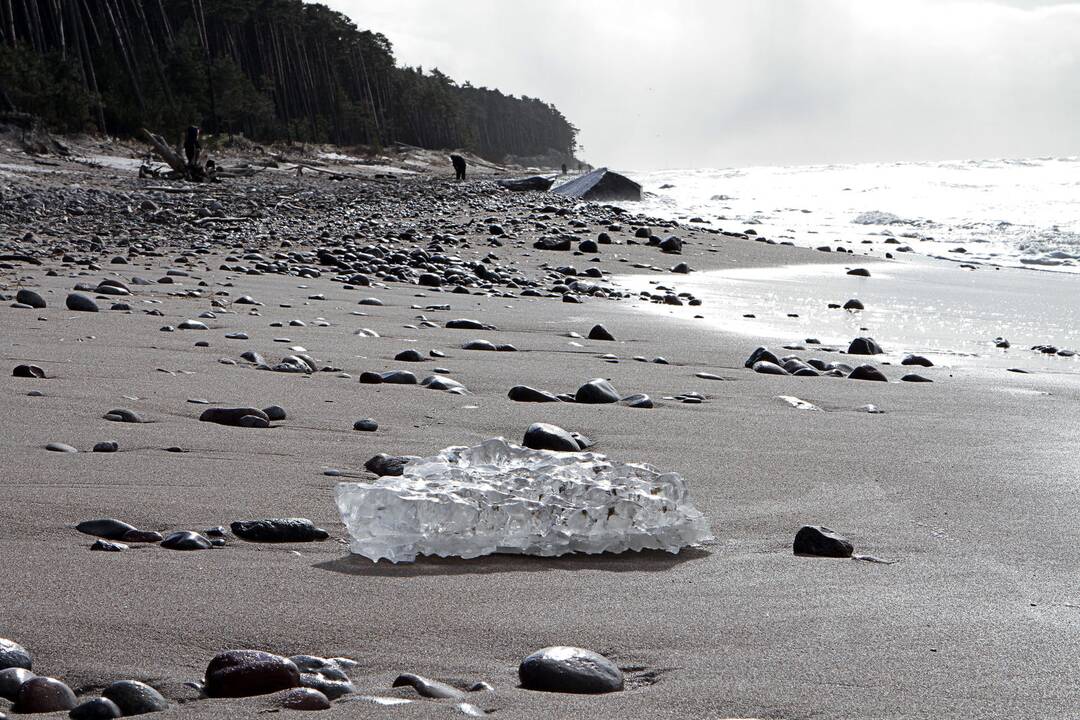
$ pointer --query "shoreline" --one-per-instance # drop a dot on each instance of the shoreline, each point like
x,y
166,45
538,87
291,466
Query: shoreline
x,y
740,628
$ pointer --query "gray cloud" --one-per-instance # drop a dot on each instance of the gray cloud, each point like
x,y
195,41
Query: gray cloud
x,y
716,83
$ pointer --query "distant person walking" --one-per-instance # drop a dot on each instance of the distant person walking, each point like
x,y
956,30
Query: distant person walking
x,y
192,148
564,168
459,166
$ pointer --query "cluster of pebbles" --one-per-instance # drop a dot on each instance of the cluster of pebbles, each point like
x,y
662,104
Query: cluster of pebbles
x,y
299,682
764,361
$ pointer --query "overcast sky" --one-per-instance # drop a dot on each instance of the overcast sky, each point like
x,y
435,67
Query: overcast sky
x,y
717,83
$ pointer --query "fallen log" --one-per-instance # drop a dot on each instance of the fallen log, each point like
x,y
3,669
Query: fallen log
x,y
166,153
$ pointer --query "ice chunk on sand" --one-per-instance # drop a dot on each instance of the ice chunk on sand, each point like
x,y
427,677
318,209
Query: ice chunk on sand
x,y
497,497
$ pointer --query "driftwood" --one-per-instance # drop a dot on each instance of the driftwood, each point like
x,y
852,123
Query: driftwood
x,y
180,168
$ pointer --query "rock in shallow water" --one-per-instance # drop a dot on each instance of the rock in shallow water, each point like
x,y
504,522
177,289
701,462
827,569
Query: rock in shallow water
x,y
242,673
821,541
569,670
14,655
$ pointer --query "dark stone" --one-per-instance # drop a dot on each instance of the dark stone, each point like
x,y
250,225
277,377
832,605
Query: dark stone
x,y
429,280
588,246
480,345
600,184
387,465
366,425
141,536
274,530
599,332
80,303
853,304
761,354
409,356
596,391
536,182
550,243
867,372
135,698
108,528
818,540
96,709
917,360
232,416
569,670
253,421
106,446
524,393
466,324
399,377
61,447
542,436
672,245
370,378
44,694
915,378
28,371
275,413
11,679
769,368
185,540
31,298
429,688
123,415
859,272
637,400
242,673
108,546
864,346
304,698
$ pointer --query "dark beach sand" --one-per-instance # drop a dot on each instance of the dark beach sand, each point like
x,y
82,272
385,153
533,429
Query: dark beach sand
x,y
969,483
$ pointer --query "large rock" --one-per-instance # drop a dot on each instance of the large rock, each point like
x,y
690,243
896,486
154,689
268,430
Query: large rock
x,y
600,184
542,436
11,680
44,694
599,332
761,354
536,182
81,303
241,673
31,298
596,391
569,670
135,698
864,346
14,655
275,530
868,372
819,540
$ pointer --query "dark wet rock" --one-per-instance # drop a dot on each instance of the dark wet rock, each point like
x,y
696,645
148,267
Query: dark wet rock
x,y
108,546
524,393
552,243
479,345
329,668
28,371
438,382
370,378
123,415
429,688
185,540
1002,343
387,465
867,372
917,360
671,245
304,698
853,304
96,709
864,346
769,368
399,377
329,687
466,324
11,679
44,694
761,354
141,536
31,298
242,673
859,272
588,246
192,325
106,446
681,269
637,400
275,413
135,698
366,425
569,670
233,416
14,655
915,378
818,540
596,391
599,332
80,303
108,528
409,356
542,436
275,530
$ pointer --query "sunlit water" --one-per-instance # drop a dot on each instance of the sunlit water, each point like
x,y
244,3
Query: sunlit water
x,y
1003,212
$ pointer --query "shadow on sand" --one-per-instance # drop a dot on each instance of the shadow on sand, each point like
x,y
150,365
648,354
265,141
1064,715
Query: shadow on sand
x,y
643,561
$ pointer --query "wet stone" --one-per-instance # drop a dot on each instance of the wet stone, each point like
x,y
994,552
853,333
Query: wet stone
x,y
867,372
30,298
123,415
28,371
428,688
96,709
108,546
242,673
44,694
864,346
60,447
524,393
304,698
274,530
366,425
135,698
821,541
185,540
80,303
542,436
108,528
14,655
11,679
569,670
106,446
596,391
232,416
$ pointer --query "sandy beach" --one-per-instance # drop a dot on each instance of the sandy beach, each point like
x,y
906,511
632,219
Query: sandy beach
x,y
964,485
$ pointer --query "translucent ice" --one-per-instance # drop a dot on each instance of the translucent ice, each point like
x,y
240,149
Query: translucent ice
x,y
497,497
